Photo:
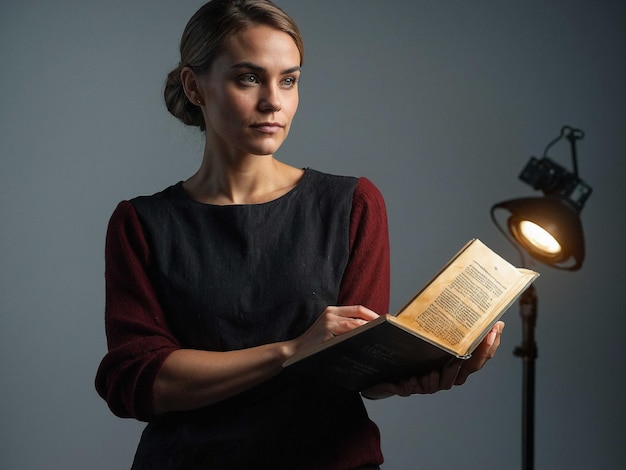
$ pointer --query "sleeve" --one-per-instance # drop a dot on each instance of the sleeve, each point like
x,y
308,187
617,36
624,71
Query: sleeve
x,y
366,278
138,337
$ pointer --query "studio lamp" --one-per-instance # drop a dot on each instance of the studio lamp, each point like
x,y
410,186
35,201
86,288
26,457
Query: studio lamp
x,y
548,228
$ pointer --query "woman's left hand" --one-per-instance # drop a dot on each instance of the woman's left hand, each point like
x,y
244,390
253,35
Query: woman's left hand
x,y
454,373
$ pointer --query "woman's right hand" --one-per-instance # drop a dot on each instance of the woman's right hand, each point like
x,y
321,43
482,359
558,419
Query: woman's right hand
x,y
333,321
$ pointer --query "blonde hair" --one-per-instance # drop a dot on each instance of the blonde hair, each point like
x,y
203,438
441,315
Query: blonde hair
x,y
203,38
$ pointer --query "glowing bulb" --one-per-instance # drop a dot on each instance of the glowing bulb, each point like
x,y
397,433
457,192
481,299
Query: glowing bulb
x,y
539,238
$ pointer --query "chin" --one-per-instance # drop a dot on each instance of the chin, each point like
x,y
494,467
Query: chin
x,y
263,150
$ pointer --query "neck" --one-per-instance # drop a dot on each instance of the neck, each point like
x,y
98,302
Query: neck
x,y
243,179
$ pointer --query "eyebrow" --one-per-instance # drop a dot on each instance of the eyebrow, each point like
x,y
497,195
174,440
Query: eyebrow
x,y
258,68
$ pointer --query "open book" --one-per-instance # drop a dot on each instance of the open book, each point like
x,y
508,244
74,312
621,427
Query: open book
x,y
447,318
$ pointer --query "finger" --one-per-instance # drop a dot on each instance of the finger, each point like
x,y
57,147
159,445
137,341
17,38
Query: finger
x,y
402,389
469,366
346,324
449,374
494,347
413,385
428,383
347,318
356,311
489,345
387,389
485,351
435,379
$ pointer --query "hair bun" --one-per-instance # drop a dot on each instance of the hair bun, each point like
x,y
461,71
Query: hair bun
x,y
177,102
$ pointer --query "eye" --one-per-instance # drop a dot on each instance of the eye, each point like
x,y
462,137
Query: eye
x,y
289,82
248,79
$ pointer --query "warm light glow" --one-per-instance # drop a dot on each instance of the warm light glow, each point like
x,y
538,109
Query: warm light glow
x,y
539,238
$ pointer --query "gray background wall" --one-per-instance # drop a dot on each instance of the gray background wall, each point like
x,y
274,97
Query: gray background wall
x,y
439,103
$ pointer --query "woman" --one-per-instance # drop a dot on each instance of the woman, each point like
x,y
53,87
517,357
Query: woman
x,y
214,282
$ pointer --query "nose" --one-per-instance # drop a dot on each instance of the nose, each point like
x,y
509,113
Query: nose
x,y
270,100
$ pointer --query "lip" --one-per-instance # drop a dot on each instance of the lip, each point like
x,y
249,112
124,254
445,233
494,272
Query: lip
x,y
267,127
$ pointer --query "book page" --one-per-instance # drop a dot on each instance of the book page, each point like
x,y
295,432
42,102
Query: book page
x,y
462,300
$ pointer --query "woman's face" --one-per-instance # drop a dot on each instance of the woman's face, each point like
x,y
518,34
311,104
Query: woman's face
x,y
250,94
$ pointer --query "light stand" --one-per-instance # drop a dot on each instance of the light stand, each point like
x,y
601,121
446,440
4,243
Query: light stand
x,y
528,352
550,231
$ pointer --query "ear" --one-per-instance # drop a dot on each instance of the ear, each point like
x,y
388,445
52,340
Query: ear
x,y
191,86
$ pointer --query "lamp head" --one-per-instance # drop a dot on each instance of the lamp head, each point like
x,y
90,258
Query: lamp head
x,y
549,228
